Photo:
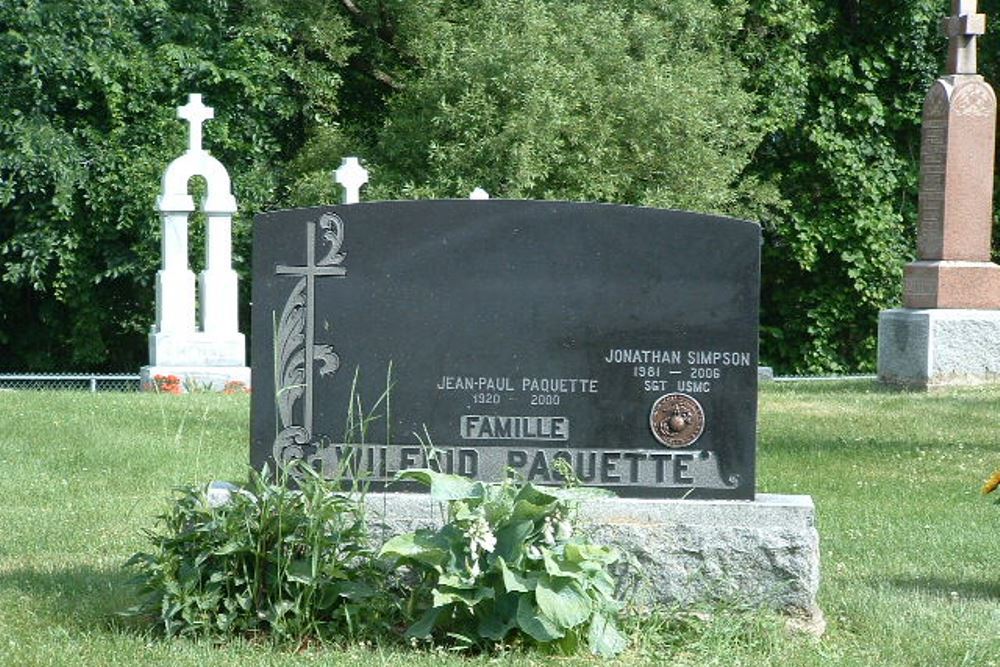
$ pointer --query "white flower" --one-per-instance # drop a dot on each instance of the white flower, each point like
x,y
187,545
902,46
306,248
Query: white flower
x,y
564,530
548,531
474,570
488,542
481,537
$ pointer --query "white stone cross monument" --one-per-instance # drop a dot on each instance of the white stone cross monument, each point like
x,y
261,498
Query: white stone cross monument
x,y
212,352
351,175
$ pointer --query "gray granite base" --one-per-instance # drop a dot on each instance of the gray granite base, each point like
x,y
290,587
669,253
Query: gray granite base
x,y
761,553
940,347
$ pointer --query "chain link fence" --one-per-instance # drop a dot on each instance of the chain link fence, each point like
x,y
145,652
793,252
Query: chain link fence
x,y
93,382
102,382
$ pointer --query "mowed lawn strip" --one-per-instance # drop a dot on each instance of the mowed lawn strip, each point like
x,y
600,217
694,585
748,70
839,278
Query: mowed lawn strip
x,y
911,566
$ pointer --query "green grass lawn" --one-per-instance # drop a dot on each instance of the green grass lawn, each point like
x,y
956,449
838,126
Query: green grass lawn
x,y
910,549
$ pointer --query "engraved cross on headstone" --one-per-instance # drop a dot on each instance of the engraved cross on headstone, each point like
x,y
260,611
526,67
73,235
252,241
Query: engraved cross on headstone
x,y
310,271
351,175
962,29
195,113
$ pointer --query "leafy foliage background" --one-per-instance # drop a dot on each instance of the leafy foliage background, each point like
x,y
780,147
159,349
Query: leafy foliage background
x,y
801,114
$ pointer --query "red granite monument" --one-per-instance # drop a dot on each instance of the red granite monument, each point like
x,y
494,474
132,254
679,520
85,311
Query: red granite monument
x,y
949,329
956,180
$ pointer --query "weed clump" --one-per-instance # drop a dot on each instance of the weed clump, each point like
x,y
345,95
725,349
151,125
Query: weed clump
x,y
266,560
297,565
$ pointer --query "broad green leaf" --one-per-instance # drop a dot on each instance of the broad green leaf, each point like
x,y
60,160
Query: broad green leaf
x,y
425,624
353,590
532,494
515,582
442,485
557,569
578,552
564,603
421,545
524,509
603,637
511,539
603,583
492,627
499,617
469,597
530,619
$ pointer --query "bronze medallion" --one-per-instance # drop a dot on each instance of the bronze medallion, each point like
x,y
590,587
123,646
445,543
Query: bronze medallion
x,y
676,420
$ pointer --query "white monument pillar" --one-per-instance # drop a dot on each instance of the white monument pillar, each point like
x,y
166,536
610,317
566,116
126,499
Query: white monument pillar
x,y
212,353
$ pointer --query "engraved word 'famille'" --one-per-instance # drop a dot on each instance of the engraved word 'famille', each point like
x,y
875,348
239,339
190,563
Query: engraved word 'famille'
x,y
496,427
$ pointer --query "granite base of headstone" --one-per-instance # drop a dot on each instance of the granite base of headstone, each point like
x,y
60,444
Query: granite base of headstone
x,y
938,347
762,553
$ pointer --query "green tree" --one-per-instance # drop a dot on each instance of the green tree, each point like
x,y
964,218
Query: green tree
x,y
637,102
90,88
848,167
802,114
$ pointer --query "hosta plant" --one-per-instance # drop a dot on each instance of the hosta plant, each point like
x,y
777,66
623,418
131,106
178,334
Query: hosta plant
x,y
507,564
263,559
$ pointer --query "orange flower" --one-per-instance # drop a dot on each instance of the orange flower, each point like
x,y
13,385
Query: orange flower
x,y
170,384
235,387
992,483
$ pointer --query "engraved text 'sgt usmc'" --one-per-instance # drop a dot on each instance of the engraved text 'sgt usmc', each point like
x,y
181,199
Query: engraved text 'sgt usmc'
x,y
510,335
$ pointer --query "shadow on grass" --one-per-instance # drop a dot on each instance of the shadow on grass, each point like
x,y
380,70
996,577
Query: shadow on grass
x,y
967,589
80,597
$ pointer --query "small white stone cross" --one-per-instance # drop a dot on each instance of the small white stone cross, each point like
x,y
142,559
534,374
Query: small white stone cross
x,y
479,193
351,176
962,29
195,113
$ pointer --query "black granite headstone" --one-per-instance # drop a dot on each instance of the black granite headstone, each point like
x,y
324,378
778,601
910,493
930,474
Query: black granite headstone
x,y
509,334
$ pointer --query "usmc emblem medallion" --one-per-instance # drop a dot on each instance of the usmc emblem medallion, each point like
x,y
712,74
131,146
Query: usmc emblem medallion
x,y
677,420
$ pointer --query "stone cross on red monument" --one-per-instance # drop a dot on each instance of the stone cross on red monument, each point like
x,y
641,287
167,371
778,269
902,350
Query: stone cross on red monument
x,y
948,331
962,29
